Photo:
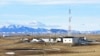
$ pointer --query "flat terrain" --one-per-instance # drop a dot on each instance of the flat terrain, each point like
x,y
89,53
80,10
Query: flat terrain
x,y
48,49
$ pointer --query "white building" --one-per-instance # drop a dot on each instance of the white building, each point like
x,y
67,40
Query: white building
x,y
65,40
35,40
46,40
72,40
58,39
51,40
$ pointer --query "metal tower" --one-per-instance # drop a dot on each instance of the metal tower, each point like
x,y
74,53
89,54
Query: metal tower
x,y
69,21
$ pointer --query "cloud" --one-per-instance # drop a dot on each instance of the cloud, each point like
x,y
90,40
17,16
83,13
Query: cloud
x,y
3,2
48,2
25,20
58,1
15,18
14,15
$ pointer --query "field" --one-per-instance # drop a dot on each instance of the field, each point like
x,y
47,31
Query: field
x,y
48,49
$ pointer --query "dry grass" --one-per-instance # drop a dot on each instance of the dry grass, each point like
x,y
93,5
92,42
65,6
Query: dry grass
x,y
89,50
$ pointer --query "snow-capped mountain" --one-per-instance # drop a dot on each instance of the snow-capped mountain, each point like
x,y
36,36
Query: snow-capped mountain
x,y
32,24
19,28
23,28
38,27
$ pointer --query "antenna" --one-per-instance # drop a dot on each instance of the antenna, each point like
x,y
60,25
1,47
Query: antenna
x,y
69,27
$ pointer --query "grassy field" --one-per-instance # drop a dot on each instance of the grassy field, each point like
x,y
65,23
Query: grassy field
x,y
47,49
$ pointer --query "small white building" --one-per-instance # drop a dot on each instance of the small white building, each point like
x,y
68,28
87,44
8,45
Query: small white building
x,y
50,40
46,40
35,40
67,40
58,39
72,40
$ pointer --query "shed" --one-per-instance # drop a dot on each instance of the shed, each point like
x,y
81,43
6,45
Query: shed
x,y
51,40
34,40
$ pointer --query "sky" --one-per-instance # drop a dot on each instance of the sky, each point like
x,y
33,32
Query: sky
x,y
52,13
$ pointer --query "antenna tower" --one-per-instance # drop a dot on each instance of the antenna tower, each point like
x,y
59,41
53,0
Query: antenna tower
x,y
69,20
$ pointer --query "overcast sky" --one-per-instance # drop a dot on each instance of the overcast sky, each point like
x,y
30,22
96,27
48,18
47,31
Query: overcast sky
x,y
85,13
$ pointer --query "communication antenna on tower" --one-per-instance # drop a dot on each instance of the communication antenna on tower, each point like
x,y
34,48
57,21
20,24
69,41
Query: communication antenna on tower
x,y
69,21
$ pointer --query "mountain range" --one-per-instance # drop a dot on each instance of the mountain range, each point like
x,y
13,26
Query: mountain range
x,y
22,28
16,28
